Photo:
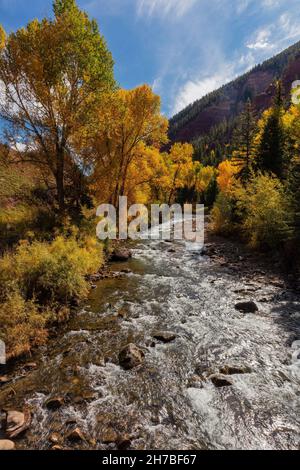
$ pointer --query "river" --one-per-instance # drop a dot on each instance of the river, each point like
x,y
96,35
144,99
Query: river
x,y
170,401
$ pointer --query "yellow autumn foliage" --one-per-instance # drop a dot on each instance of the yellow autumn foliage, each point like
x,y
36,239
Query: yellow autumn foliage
x,y
226,176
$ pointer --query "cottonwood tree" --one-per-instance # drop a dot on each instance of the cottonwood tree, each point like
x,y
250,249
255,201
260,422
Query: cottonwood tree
x,y
53,74
180,162
129,124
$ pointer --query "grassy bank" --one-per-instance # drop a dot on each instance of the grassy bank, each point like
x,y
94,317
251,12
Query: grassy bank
x,y
39,282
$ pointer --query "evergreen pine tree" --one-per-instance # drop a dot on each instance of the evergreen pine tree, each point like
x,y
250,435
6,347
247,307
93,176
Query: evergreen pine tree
x,y
294,193
243,141
271,148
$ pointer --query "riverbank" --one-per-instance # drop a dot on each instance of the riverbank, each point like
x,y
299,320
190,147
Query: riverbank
x,y
209,376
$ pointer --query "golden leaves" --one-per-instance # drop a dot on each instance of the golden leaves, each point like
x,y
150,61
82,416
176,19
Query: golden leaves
x,y
2,38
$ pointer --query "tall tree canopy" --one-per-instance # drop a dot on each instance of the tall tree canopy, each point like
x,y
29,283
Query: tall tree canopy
x,y
53,75
271,140
244,142
129,122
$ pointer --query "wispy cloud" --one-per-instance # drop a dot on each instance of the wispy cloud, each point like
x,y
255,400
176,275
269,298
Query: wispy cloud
x,y
164,7
262,40
193,90
277,35
185,48
282,31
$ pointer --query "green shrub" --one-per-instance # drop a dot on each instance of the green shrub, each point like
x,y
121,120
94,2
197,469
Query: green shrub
x,y
264,210
52,272
22,325
222,214
37,283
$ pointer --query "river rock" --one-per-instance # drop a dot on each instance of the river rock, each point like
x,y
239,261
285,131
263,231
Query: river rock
x,y
95,277
76,435
246,307
123,442
220,380
109,436
121,255
4,379
17,422
131,356
164,336
7,445
55,438
204,251
30,366
195,382
234,370
54,403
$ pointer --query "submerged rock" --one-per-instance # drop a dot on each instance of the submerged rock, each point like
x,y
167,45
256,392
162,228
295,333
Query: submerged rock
x,y
131,356
246,307
30,366
164,336
109,436
220,380
54,403
195,382
4,379
5,444
124,442
235,370
17,422
121,255
95,277
76,435
55,438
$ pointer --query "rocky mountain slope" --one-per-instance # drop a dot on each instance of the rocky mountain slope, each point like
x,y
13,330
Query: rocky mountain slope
x,y
225,104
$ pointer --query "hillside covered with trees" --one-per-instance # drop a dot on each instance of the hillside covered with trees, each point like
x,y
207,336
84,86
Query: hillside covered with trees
x,y
209,123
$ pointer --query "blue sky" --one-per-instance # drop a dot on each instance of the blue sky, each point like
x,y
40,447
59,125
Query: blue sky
x,y
183,48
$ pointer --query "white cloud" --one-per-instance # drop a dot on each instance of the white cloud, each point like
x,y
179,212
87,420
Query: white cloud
x,y
262,40
289,26
278,35
194,90
164,7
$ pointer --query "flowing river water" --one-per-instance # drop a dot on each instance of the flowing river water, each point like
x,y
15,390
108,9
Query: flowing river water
x,y
170,401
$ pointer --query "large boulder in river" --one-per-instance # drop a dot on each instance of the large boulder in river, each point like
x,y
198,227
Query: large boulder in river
x,y
17,422
7,445
121,254
246,307
131,356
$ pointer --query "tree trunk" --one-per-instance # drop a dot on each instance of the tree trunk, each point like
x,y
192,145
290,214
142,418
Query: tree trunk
x,y
60,187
